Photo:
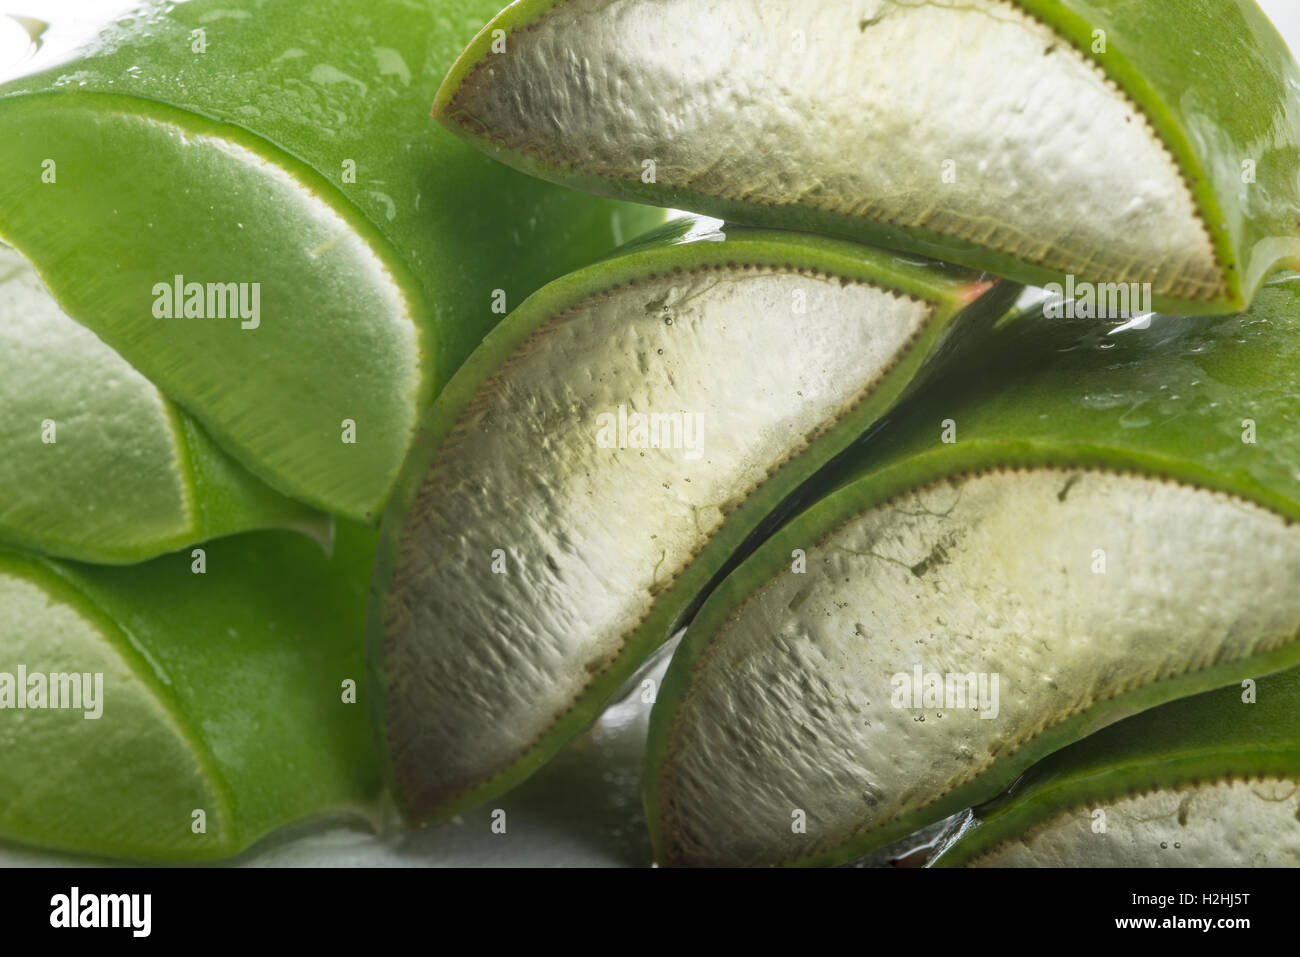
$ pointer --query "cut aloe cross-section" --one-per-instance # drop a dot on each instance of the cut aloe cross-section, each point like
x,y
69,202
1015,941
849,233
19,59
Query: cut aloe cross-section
x,y
199,706
1119,142
994,576
593,464
1209,781
249,202
97,464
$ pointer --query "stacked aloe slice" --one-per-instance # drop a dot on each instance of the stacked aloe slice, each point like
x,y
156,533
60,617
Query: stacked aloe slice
x,y
237,266
923,542
1206,781
1098,540
527,567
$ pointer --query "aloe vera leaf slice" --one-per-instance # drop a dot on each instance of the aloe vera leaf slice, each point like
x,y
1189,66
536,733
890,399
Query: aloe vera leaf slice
x,y
937,128
1099,536
293,151
538,548
99,466
222,692
1208,781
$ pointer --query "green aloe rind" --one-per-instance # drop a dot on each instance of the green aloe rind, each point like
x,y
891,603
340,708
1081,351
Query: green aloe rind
x,y
930,127
274,164
99,466
1104,527
1211,780
222,690
527,565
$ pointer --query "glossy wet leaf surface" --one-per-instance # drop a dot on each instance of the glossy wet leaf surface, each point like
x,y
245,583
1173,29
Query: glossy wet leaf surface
x,y
98,465
1119,141
1095,566
543,542
1207,781
221,692
292,157
1062,488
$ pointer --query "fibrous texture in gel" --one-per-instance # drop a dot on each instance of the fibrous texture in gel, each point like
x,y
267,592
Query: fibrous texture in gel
x,y
951,118
1229,823
1071,587
547,524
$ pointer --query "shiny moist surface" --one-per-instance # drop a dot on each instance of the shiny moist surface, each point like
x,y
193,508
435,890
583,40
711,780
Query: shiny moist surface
x,y
952,118
1231,823
52,369
480,662
792,707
